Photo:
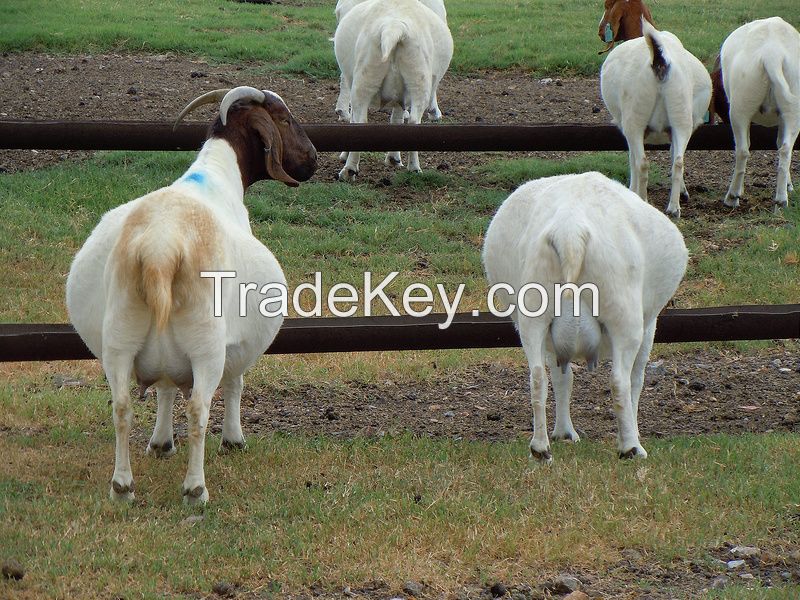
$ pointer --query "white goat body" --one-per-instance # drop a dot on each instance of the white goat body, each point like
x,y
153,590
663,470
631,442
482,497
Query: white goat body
x,y
136,297
343,102
391,53
761,75
657,92
585,229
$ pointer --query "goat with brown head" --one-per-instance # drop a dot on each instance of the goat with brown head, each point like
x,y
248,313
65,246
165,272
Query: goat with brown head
x,y
624,18
258,125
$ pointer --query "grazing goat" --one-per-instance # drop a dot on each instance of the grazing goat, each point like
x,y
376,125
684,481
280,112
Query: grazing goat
x,y
391,53
343,102
623,18
584,229
656,92
136,295
758,80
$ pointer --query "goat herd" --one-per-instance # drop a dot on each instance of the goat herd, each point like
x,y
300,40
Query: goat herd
x,y
139,292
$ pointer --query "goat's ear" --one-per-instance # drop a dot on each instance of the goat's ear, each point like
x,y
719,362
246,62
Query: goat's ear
x,y
273,148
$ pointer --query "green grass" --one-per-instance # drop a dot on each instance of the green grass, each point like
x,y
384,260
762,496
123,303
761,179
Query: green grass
x,y
299,511
531,35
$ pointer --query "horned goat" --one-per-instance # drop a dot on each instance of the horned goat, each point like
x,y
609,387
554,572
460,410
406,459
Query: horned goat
x,y
136,295
582,230
758,80
656,92
391,53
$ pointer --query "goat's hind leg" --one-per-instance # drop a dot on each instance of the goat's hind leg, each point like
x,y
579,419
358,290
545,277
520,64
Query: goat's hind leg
x,y
232,435
162,442
532,333
787,134
741,137
393,159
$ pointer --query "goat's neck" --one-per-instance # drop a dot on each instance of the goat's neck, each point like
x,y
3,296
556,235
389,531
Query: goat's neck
x,y
215,175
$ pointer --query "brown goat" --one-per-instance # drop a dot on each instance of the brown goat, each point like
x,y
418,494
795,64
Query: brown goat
x,y
625,19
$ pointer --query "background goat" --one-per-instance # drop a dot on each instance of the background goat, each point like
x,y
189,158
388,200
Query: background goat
x,y
758,80
391,53
585,229
624,19
656,91
136,297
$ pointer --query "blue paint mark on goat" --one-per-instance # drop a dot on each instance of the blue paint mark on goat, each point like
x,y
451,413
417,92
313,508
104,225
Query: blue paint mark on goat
x,y
197,178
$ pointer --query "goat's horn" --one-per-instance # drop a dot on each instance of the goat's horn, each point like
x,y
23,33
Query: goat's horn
x,y
206,98
243,92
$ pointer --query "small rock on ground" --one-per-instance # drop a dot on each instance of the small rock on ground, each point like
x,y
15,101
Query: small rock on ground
x,y
745,551
720,582
564,584
224,589
11,569
413,588
576,595
498,590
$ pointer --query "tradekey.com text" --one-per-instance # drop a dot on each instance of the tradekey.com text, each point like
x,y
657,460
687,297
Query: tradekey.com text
x,y
417,299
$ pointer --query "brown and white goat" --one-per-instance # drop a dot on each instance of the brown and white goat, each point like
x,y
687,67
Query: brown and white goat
x,y
624,17
138,297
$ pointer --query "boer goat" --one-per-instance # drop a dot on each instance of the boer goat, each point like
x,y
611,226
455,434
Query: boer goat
x,y
622,21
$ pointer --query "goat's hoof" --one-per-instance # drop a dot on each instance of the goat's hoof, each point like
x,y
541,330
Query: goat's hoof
x,y
675,213
731,201
684,196
635,452
163,450
566,436
343,115
414,169
348,174
343,157
435,115
121,492
542,456
227,446
393,161
195,496
776,208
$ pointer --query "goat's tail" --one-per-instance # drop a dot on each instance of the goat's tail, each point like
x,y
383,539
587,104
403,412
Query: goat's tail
x,y
659,61
392,34
773,65
160,254
569,244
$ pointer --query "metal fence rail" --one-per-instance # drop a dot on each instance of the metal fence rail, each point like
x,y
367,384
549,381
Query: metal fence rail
x,y
151,135
366,334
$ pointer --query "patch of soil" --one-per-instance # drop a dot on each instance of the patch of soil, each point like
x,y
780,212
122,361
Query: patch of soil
x,y
157,87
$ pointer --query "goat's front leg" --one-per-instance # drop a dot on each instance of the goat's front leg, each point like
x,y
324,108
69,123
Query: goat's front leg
x,y
206,377
562,390
118,367
162,443
343,102
232,435
741,137
393,159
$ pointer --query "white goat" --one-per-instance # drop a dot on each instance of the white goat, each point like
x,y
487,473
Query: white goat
x,y
343,102
657,92
584,229
761,75
136,296
391,53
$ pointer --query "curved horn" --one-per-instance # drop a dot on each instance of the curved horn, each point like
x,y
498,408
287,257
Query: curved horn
x,y
206,98
243,92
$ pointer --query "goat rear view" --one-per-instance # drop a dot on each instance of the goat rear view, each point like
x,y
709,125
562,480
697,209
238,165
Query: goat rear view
x,y
138,296
656,92
584,230
391,53
760,72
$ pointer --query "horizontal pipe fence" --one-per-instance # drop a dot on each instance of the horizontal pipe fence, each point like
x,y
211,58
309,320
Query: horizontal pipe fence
x,y
150,135
20,342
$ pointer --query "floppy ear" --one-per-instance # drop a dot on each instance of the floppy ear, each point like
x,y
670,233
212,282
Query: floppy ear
x,y
273,148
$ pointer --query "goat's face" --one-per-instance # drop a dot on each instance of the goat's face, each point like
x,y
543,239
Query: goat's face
x,y
624,18
268,141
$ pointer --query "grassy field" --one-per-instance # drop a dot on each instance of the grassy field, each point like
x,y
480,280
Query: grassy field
x,y
299,511
533,35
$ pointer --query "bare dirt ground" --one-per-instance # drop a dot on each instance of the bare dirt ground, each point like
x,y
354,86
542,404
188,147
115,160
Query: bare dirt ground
x,y
695,393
